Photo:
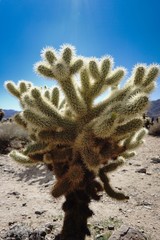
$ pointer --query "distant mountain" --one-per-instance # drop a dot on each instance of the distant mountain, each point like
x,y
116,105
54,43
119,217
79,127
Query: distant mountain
x,y
154,110
9,113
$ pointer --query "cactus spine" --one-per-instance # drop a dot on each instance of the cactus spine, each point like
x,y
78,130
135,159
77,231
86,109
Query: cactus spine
x,y
78,139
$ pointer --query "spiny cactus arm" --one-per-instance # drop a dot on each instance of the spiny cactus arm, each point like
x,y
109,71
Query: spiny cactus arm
x,y
49,55
24,86
18,118
104,125
94,69
116,76
27,101
38,121
43,69
69,182
48,110
103,106
128,128
36,148
112,193
60,137
85,87
58,155
75,102
153,72
21,158
76,66
128,154
12,88
55,97
106,66
138,74
47,94
84,144
148,89
113,165
136,105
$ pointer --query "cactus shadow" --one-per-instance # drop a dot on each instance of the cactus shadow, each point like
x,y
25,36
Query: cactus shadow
x,y
35,174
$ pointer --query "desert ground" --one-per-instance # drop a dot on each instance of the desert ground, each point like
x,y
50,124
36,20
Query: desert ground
x,y
26,200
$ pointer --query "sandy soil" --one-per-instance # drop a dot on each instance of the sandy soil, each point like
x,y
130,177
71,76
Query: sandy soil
x,y
25,195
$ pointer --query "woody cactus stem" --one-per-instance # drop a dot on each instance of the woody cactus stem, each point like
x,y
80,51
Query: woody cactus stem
x,y
80,139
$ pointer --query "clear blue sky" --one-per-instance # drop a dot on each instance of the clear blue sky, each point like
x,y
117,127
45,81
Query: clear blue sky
x,y
129,30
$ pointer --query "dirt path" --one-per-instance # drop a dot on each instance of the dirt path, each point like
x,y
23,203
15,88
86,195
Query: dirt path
x,y
25,195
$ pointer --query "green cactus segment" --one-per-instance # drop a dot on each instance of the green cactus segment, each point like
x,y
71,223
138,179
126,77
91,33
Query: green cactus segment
x,y
108,188
50,111
13,89
67,54
139,73
116,76
135,105
21,158
129,127
55,97
74,101
49,55
43,70
94,71
20,120
64,137
76,66
112,166
106,65
153,73
37,120
150,88
104,126
35,148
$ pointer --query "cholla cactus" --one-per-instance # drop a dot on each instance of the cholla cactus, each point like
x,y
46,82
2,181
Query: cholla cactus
x,y
77,138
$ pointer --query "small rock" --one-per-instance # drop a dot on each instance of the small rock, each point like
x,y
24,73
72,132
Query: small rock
x,y
14,193
100,227
126,232
24,204
39,212
11,223
48,228
42,233
141,170
99,237
111,227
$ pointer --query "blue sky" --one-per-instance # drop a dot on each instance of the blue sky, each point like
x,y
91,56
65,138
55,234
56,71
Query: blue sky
x,y
129,30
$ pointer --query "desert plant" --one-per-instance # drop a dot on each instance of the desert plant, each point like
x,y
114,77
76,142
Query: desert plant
x,y
79,139
10,133
155,129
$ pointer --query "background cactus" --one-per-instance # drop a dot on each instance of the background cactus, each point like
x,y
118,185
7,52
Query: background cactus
x,y
78,139
1,114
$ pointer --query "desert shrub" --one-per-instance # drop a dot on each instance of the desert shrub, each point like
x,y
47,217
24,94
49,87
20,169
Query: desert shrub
x,y
12,136
10,130
155,129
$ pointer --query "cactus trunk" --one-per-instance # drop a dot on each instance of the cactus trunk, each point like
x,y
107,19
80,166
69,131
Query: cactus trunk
x,y
76,214
76,208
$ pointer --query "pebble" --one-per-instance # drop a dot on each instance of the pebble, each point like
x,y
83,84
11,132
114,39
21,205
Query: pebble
x,y
48,228
141,170
39,212
110,227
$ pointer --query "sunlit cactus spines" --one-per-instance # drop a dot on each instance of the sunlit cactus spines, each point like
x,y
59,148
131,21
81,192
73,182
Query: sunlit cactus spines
x,y
83,127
